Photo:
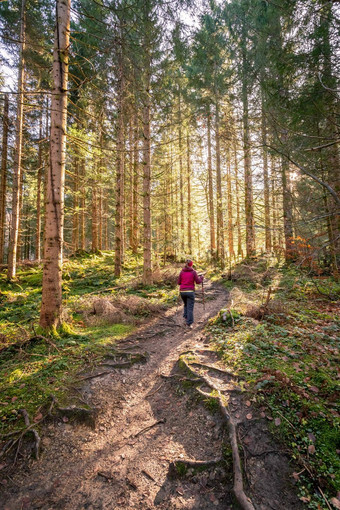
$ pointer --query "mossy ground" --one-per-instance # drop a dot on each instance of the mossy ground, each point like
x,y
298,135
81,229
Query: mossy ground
x,y
290,361
30,373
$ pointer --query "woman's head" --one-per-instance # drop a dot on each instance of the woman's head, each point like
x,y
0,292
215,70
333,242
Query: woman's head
x,y
189,263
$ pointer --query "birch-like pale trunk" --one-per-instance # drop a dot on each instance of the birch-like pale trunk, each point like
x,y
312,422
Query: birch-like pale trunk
x,y
3,188
17,173
51,307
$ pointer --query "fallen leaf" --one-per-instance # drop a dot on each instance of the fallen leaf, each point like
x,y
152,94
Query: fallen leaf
x,y
249,416
305,500
277,421
269,417
13,399
311,437
37,417
65,419
311,449
314,389
248,403
295,476
262,414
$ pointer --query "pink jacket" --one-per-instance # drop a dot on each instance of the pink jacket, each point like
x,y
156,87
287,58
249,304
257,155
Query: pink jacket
x,y
187,279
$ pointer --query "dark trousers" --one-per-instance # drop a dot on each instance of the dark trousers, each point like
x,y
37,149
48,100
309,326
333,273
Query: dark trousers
x,y
189,301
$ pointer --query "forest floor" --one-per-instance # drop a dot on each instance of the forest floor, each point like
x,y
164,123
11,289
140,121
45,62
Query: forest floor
x,y
154,435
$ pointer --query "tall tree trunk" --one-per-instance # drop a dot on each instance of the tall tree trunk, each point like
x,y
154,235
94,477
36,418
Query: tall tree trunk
x,y
219,204
134,226
248,178
274,211
189,195
119,215
75,219
13,241
39,185
3,188
211,192
51,307
230,213
181,185
94,205
287,209
82,240
147,245
238,219
265,181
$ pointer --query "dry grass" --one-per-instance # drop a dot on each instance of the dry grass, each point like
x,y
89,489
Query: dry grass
x,y
122,309
256,309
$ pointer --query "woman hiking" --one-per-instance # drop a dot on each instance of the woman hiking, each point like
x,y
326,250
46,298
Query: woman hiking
x,y
186,281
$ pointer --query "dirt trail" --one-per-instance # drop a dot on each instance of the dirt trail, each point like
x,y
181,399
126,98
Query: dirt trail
x,y
145,422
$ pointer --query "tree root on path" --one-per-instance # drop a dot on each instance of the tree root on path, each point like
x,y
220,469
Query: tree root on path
x,y
179,467
244,502
216,369
132,359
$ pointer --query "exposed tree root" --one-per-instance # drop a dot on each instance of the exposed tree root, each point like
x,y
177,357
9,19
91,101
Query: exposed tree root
x,y
22,432
238,489
179,467
94,375
181,378
130,357
216,369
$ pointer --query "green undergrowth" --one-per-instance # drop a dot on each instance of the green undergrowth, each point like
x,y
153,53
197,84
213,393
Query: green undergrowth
x,y
290,360
39,369
32,370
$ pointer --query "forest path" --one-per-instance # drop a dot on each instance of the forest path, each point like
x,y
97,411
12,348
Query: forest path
x,y
146,422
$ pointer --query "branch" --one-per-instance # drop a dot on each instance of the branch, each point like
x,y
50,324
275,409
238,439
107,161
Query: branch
x,y
304,171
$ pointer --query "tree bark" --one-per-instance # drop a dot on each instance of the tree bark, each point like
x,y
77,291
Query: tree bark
x,y
135,181
211,192
238,219
39,184
230,214
287,209
268,243
219,204
147,243
75,196
189,196
51,308
181,185
248,178
14,234
119,215
3,189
